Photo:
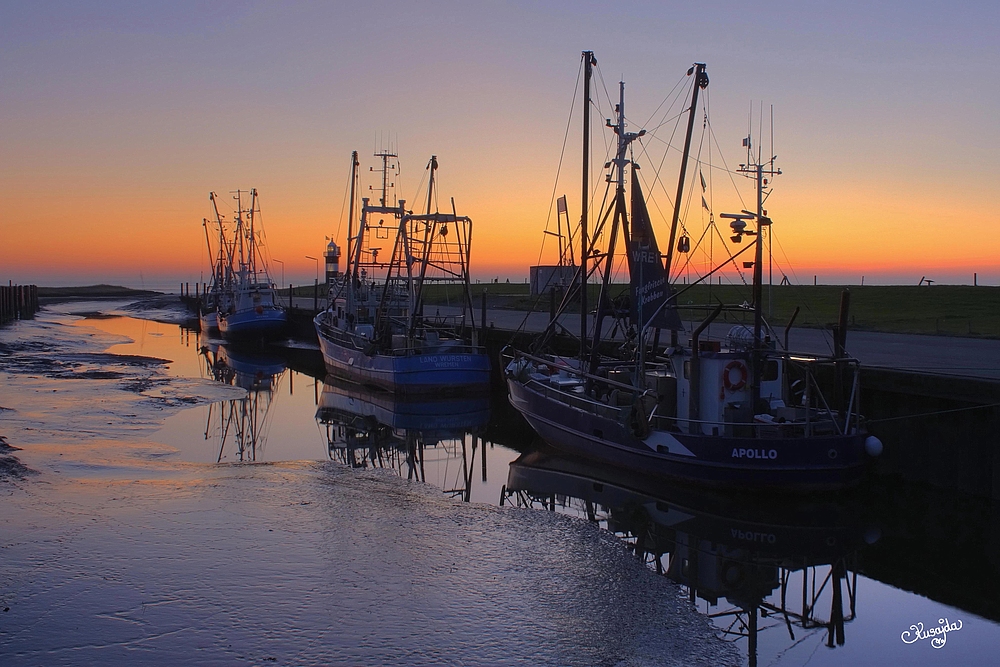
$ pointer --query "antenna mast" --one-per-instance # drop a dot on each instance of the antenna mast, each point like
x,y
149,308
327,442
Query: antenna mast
x,y
758,170
350,215
700,81
386,154
588,64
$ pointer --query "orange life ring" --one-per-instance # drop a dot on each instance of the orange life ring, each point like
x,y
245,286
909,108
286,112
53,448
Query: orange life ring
x,y
727,375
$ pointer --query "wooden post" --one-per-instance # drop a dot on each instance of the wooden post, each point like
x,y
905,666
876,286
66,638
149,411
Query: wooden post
x,y
315,295
290,304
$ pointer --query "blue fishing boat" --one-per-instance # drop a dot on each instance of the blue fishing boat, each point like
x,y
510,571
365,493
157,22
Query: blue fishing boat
x,y
252,312
742,411
376,329
218,293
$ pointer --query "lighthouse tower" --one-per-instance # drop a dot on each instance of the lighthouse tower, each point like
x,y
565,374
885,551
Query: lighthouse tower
x,y
332,256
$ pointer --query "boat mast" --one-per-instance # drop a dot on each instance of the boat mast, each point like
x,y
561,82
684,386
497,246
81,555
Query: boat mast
x,y
253,240
757,171
620,217
240,233
350,211
588,63
223,279
211,258
430,229
700,81
432,166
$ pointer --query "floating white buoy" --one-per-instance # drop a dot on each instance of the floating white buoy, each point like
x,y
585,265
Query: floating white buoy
x,y
873,446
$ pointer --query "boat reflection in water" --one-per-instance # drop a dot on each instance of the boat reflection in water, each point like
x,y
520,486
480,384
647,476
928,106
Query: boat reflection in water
x,y
241,423
784,567
425,438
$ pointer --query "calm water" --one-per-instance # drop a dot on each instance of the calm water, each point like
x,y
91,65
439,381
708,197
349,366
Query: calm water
x,y
146,536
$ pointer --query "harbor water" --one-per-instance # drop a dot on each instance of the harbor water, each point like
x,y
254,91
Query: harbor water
x,y
171,500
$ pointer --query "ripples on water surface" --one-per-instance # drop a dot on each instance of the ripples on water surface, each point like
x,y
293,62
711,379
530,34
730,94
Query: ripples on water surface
x,y
132,545
134,530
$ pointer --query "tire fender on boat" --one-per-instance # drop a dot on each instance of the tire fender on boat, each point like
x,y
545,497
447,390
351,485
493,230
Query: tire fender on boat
x,y
637,422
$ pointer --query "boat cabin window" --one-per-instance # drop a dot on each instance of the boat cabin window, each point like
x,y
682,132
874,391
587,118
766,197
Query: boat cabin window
x,y
770,371
687,369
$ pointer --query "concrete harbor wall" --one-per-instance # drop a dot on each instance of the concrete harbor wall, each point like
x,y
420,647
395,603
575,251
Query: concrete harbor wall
x,y
18,302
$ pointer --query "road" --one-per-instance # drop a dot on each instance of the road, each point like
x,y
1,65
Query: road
x,y
972,357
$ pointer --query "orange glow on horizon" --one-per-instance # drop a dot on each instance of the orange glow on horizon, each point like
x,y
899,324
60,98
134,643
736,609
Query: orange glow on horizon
x,y
864,235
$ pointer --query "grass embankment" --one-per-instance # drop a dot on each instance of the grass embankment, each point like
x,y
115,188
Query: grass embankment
x,y
92,291
953,310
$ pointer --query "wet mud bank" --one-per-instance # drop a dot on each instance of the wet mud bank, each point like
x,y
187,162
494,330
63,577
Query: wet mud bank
x,y
124,547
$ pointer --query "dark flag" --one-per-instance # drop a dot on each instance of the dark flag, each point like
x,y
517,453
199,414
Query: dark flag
x,y
650,287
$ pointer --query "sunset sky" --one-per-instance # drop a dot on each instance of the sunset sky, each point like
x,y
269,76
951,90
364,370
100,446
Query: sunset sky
x,y
118,118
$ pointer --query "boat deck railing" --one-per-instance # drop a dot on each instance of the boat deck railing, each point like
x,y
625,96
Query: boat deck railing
x,y
822,423
570,382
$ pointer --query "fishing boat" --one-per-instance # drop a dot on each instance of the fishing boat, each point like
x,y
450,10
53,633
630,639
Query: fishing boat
x,y
743,411
375,329
218,294
253,313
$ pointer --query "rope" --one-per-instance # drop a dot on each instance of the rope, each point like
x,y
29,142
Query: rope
x,y
562,154
347,192
930,414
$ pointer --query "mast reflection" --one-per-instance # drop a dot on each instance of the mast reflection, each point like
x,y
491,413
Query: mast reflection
x,y
757,564
426,438
241,423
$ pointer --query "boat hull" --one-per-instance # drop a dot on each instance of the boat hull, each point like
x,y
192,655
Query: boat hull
x,y
791,464
209,320
440,371
252,325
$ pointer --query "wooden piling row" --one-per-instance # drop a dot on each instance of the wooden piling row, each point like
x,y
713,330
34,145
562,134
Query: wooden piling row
x,y
18,302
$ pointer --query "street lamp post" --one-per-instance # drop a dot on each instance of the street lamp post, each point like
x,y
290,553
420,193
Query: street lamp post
x,y
282,271
315,285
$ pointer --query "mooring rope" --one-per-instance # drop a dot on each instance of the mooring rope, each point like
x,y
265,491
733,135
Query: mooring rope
x,y
930,414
